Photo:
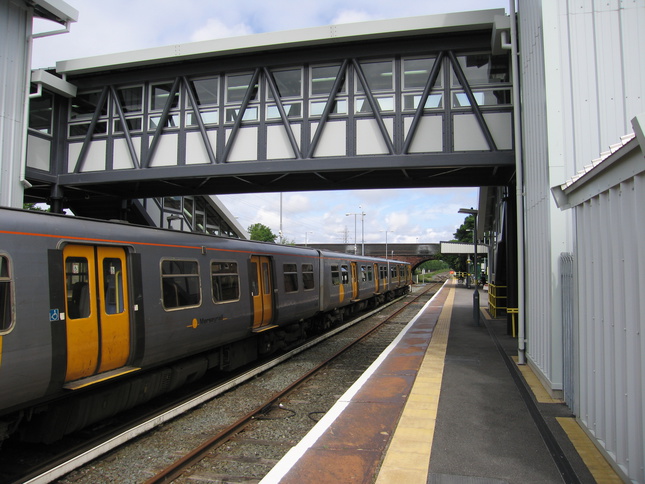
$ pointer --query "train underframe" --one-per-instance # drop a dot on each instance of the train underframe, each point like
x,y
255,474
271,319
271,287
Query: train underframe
x,y
50,421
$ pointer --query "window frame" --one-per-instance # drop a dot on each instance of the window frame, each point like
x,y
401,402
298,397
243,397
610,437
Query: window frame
x,y
165,277
225,275
8,296
308,268
290,277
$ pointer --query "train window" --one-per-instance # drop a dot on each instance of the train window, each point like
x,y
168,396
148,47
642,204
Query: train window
x,y
5,295
383,272
393,272
370,276
180,284
308,281
113,285
290,272
344,275
226,282
78,289
335,276
363,274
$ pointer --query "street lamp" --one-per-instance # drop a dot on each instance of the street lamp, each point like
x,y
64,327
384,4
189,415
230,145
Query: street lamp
x,y
362,214
474,213
306,235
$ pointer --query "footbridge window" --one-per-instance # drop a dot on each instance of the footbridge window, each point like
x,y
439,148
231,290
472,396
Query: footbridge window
x,y
349,107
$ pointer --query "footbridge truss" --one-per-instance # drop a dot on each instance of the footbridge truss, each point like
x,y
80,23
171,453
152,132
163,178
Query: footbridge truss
x,y
418,102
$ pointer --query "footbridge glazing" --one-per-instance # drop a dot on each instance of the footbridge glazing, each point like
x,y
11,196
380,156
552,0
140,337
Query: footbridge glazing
x,y
419,102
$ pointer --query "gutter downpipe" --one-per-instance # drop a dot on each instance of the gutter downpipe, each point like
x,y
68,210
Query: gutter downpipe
x,y
22,178
519,185
30,36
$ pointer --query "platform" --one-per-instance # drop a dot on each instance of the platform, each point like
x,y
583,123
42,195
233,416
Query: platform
x,y
446,403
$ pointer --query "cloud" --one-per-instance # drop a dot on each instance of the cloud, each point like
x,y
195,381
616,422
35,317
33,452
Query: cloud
x,y
351,16
215,28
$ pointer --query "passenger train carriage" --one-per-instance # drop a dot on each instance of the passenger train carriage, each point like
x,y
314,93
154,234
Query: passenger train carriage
x,y
96,317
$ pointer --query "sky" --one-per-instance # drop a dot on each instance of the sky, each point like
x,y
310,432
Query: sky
x,y
409,216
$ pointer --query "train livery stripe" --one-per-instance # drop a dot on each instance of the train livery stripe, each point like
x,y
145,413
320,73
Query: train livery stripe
x,y
147,244
176,246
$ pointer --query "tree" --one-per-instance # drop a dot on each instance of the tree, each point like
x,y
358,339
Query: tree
x,y
262,233
463,234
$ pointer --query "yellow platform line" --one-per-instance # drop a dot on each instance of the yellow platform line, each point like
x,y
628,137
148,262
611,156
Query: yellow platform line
x,y
539,392
408,456
600,469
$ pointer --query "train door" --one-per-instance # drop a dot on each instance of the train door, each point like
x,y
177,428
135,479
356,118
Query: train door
x,y
377,280
354,281
97,310
261,291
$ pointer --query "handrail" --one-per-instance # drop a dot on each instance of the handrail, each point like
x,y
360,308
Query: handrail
x,y
494,299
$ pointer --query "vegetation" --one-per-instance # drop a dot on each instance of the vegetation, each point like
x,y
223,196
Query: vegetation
x,y
261,233
33,206
464,234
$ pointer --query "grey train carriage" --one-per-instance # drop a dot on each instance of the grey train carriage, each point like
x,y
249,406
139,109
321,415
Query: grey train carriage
x,y
96,317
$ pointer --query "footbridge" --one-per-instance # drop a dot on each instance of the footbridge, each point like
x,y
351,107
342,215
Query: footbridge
x,y
415,254
417,102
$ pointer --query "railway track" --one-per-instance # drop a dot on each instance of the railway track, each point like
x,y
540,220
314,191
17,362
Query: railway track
x,y
270,410
266,410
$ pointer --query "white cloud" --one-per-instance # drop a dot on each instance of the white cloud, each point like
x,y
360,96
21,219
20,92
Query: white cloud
x,y
351,16
216,28
430,214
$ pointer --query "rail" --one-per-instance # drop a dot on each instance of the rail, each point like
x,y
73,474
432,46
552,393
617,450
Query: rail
x,y
496,299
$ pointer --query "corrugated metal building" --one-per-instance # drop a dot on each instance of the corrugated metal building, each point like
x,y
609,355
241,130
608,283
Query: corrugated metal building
x,y
582,78
609,282
15,56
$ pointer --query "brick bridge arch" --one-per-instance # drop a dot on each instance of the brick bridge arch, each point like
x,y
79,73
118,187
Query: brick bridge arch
x,y
415,254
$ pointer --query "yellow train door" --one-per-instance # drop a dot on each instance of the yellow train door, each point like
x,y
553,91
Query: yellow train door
x,y
114,314
354,281
97,310
376,278
261,291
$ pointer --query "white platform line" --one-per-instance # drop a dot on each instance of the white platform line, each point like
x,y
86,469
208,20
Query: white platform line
x,y
295,453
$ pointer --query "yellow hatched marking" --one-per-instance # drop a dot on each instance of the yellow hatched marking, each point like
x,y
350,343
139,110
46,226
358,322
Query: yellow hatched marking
x,y
408,456
594,460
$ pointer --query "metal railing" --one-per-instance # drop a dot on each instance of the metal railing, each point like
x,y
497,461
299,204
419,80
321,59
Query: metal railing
x,y
496,299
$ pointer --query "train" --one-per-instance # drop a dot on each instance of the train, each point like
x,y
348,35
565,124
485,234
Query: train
x,y
100,316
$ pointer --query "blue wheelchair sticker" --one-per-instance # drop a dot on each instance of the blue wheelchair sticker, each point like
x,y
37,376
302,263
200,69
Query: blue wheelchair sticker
x,y
54,315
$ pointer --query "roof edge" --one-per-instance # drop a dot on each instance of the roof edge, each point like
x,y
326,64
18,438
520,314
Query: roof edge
x,y
330,34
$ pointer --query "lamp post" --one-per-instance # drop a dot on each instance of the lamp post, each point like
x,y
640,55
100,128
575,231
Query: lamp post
x,y
362,214
306,235
474,213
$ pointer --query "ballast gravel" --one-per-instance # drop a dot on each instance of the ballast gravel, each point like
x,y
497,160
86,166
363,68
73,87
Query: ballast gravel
x,y
252,453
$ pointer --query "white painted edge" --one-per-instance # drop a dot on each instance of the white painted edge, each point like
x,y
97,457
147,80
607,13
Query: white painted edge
x,y
287,462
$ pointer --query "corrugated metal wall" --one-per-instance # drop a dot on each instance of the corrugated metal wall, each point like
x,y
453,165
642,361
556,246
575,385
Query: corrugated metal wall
x,y
583,72
536,175
604,40
611,319
14,68
582,77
